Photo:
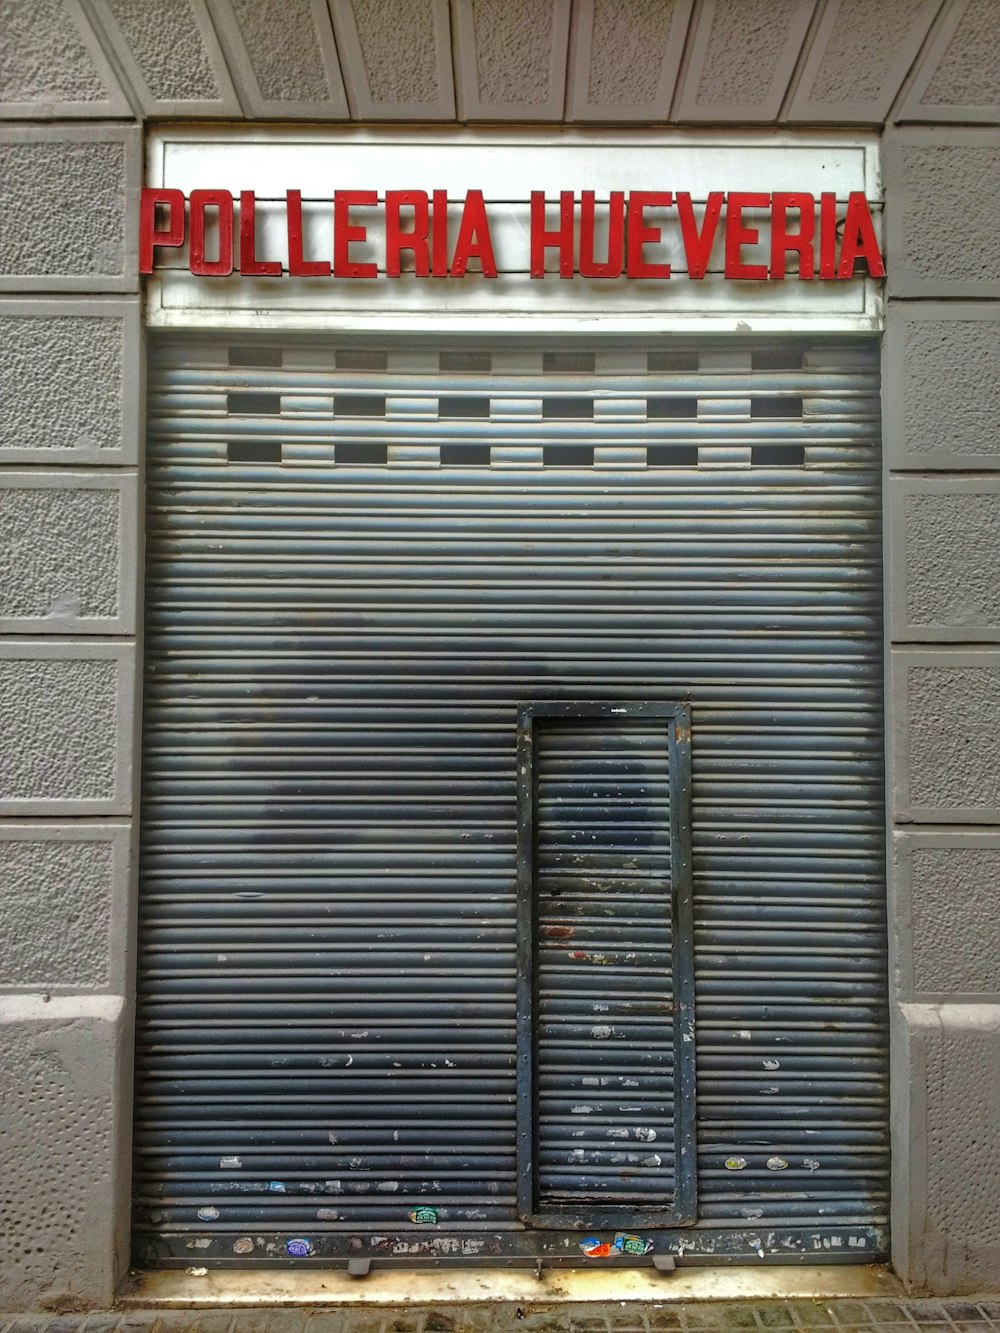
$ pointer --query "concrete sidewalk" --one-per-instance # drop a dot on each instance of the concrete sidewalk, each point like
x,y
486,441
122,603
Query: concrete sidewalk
x,y
968,1315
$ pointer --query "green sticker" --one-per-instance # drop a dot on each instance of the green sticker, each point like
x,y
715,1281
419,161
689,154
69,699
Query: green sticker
x,y
632,1244
424,1215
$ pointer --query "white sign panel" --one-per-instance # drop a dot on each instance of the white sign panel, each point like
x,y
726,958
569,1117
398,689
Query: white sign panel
x,y
547,231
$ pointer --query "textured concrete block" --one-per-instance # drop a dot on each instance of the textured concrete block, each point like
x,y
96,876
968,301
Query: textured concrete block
x,y
65,906
858,59
942,195
64,1124
742,59
68,199
945,736
958,78
51,64
941,385
66,728
951,1156
947,915
282,56
396,58
68,553
510,58
624,59
944,559
170,55
70,381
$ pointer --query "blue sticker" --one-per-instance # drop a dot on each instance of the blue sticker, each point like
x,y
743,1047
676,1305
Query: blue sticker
x,y
276,1186
298,1248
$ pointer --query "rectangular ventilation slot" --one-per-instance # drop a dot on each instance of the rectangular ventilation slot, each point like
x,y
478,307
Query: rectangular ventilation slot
x,y
362,359
254,451
776,358
358,405
671,409
763,407
568,455
360,453
568,409
777,455
255,356
465,455
672,455
463,405
481,361
677,359
567,361
253,404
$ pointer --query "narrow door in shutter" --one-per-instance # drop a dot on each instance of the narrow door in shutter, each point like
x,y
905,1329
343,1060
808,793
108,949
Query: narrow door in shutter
x,y
606,1021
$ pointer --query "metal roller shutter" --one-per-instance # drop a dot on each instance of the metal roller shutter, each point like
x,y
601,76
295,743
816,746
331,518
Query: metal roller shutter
x,y
360,563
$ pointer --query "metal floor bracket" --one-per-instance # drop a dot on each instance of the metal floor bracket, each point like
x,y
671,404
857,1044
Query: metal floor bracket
x,y
358,1267
664,1263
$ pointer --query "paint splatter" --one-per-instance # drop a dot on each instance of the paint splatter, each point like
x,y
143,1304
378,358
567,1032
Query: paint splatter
x,y
594,1248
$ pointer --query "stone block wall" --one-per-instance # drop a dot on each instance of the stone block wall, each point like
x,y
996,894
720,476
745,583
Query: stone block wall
x,y
942,434
70,575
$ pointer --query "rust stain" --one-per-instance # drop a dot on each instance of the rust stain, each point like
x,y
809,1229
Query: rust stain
x,y
558,932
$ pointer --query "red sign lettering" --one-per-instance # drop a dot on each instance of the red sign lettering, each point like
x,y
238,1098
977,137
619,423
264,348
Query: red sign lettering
x,y
410,231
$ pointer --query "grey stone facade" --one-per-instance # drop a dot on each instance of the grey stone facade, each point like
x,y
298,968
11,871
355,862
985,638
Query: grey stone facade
x,y
77,80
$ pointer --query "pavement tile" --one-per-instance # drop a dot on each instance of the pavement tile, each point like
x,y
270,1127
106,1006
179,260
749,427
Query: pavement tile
x,y
538,1321
963,1312
775,1316
732,1315
927,1312
30,1324
101,1323
664,1319
851,1313
973,1325
810,1314
886,1312
275,1321
990,1308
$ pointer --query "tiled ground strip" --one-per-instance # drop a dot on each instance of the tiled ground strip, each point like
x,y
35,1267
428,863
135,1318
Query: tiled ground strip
x,y
966,1316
